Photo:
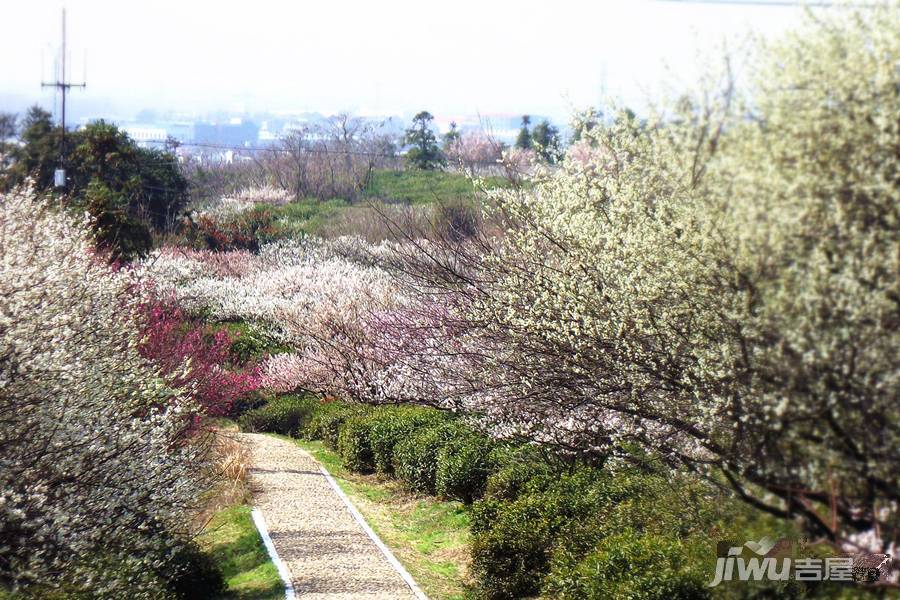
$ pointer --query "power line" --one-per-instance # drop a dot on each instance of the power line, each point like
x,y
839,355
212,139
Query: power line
x,y
275,148
62,86
282,150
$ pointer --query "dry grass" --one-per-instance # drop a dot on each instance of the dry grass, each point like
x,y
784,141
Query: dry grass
x,y
230,463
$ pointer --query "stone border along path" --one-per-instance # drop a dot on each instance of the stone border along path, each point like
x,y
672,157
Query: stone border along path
x,y
325,545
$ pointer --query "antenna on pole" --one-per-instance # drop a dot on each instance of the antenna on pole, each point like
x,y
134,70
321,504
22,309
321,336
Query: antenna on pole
x,y
62,86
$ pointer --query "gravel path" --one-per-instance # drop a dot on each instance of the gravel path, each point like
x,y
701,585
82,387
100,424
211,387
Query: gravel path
x,y
324,548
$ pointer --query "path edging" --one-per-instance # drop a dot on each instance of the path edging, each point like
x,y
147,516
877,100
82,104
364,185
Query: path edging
x,y
392,560
273,554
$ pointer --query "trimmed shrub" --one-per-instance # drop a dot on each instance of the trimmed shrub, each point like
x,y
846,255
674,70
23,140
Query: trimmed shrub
x,y
415,458
287,415
355,444
519,470
327,419
512,541
632,566
394,424
463,466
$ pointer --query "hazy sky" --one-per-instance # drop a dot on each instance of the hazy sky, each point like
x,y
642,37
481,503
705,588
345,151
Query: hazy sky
x,y
460,56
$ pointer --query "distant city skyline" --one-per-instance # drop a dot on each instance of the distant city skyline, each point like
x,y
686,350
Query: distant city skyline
x,y
388,58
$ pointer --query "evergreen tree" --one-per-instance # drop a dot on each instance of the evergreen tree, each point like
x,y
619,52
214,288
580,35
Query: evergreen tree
x,y
128,190
425,152
523,142
545,139
38,156
451,137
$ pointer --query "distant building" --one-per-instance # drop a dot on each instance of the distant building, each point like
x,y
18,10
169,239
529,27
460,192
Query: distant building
x,y
145,134
236,132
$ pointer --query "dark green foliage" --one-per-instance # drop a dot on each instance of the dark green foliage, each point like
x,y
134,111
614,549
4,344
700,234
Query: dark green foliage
x,y
8,125
523,140
115,231
249,343
463,466
193,575
425,152
513,541
633,566
249,401
415,457
355,445
394,424
287,415
8,128
129,191
248,347
327,419
518,470
149,179
39,154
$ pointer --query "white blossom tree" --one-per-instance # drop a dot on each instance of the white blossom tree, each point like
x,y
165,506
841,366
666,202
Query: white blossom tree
x,y
97,476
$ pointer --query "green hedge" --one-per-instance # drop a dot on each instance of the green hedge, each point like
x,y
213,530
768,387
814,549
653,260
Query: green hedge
x,y
394,424
519,470
415,457
513,540
287,415
540,526
327,420
354,444
463,466
633,566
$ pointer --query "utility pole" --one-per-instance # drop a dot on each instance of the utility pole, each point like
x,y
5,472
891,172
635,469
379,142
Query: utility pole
x,y
59,176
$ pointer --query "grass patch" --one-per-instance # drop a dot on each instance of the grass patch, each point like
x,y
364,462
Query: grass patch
x,y
420,187
429,536
232,541
306,217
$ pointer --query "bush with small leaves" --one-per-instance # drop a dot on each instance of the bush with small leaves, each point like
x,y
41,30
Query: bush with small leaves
x,y
395,424
512,541
415,458
287,415
327,420
633,566
463,466
354,443
519,470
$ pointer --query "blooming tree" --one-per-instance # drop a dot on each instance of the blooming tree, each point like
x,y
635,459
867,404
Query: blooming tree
x,y
718,284
197,361
96,475
474,151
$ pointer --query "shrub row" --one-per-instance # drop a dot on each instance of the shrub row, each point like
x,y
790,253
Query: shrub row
x,y
540,526
287,415
424,448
